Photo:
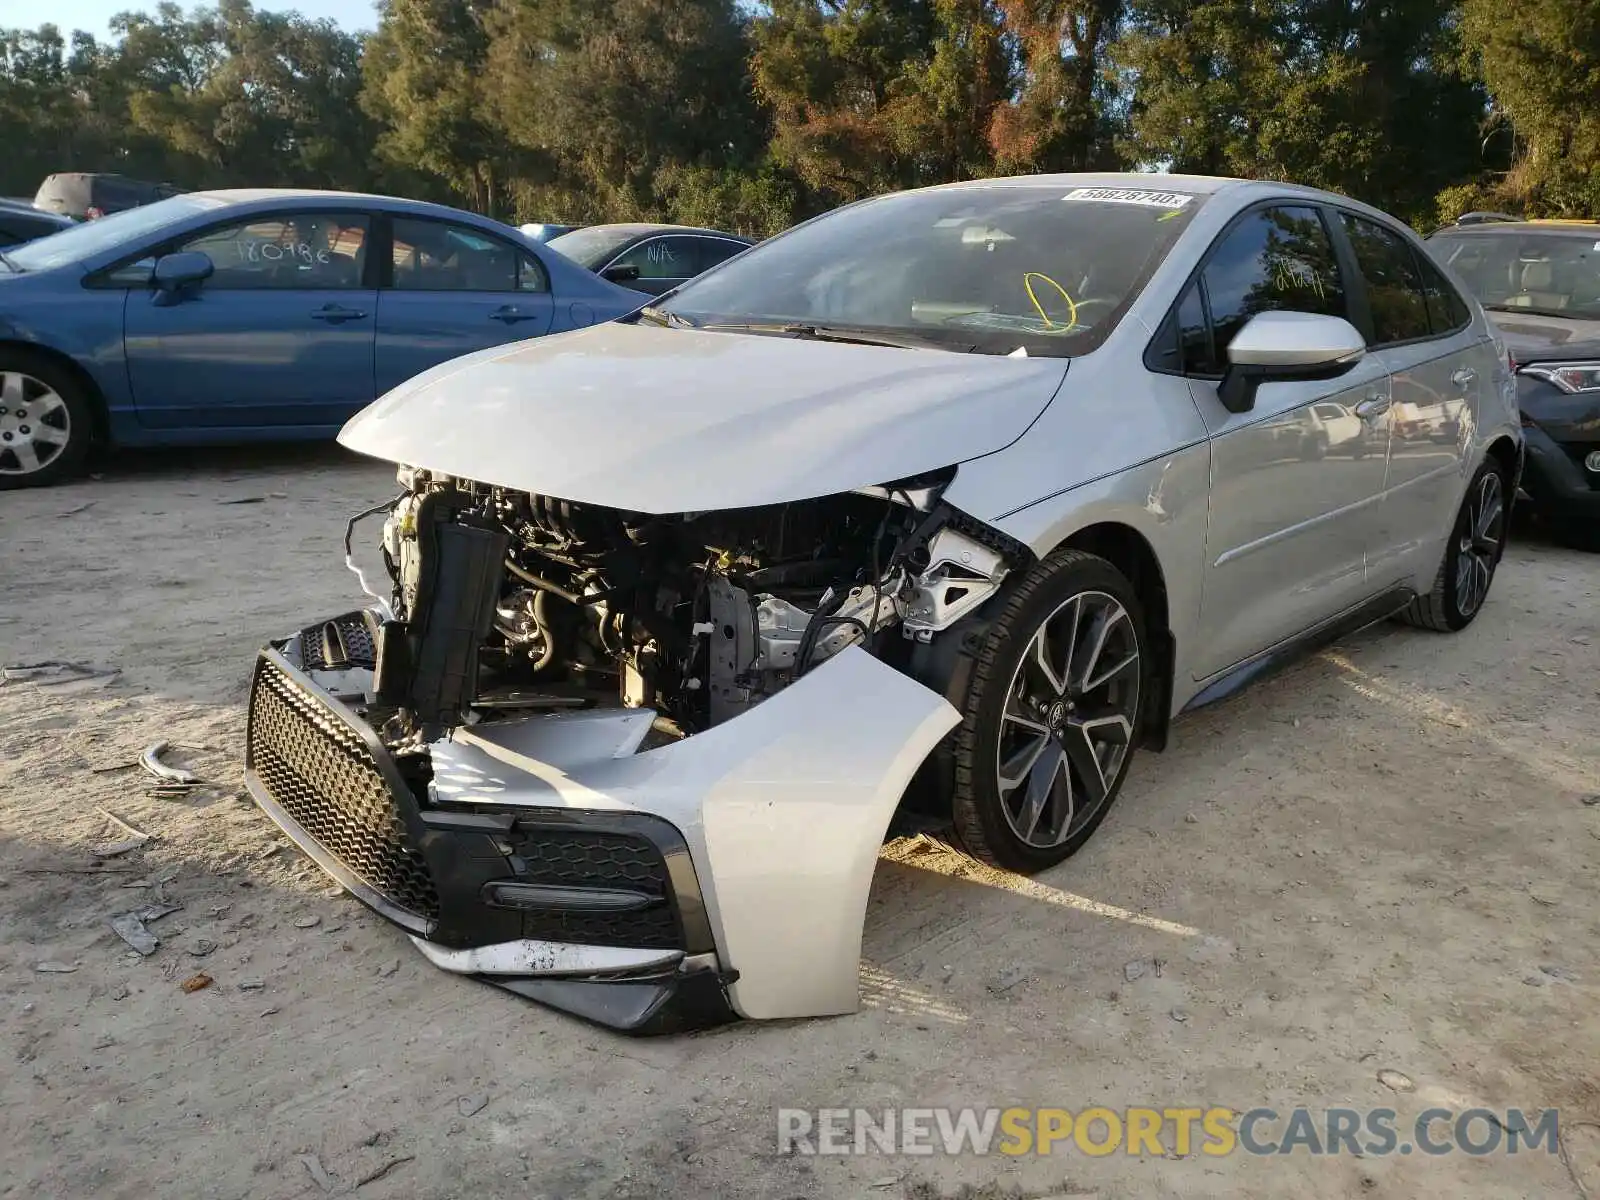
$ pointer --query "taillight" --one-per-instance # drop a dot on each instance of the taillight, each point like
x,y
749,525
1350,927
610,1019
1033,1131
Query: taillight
x,y
92,213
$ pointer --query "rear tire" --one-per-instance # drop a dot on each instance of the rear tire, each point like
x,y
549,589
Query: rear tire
x,y
1052,714
46,422
1477,541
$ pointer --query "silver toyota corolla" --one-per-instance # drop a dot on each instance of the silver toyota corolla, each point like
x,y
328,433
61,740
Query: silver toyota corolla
x,y
950,498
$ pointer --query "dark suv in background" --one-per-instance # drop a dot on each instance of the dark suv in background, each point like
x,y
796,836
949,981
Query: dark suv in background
x,y
84,195
1540,282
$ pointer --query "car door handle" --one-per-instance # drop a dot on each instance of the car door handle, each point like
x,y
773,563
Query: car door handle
x,y
336,314
510,314
1464,377
1373,406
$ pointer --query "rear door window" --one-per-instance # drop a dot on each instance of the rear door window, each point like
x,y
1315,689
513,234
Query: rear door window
x,y
1394,282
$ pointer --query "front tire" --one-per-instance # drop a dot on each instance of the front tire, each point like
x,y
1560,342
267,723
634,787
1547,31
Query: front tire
x,y
1477,541
1052,715
45,421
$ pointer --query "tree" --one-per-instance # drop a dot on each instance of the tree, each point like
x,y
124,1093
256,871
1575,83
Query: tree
x,y
602,96
1064,117
426,84
1543,70
869,95
1322,92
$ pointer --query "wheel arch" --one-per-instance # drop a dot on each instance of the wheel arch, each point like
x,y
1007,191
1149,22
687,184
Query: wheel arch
x,y
1125,548
1508,454
91,390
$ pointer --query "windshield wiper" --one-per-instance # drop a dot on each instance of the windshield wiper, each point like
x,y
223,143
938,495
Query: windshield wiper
x,y
855,335
670,319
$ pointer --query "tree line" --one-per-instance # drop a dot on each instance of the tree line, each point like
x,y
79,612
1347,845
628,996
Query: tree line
x,y
750,116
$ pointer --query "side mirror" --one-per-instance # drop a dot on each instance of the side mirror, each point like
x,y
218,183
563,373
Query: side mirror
x,y
622,273
173,273
1276,347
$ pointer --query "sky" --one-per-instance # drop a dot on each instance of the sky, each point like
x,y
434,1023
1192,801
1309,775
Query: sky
x,y
95,15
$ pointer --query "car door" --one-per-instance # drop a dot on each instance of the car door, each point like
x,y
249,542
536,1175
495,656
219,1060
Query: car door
x,y
664,261
1289,522
1422,330
280,336
454,288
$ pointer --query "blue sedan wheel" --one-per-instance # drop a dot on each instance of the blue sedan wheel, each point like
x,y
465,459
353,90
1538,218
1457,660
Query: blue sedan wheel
x,y
45,428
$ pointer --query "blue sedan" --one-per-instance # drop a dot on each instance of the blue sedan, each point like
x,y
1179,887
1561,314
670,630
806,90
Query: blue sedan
x,y
252,315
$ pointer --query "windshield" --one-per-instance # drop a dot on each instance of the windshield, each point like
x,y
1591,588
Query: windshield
x,y
592,248
1044,268
93,237
1552,274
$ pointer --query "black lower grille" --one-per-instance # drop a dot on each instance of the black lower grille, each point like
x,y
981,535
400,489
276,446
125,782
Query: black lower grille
x,y
314,767
598,859
353,634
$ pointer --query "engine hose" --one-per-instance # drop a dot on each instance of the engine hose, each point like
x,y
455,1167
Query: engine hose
x,y
557,590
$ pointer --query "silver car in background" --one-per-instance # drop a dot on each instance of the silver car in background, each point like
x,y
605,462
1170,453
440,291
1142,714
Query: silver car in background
x,y
954,498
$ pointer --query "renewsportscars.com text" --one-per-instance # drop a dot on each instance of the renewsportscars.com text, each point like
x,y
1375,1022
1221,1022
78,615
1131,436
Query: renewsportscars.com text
x,y
1215,1131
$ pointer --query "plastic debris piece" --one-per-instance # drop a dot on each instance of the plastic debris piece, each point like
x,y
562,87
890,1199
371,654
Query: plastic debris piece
x,y
197,982
319,1173
151,760
130,929
56,968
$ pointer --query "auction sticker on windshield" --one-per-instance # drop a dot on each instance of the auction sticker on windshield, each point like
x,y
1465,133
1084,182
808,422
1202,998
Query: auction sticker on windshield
x,y
1112,195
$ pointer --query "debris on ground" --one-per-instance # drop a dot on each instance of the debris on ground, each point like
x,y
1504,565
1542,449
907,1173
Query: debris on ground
x,y
78,508
56,968
46,674
319,1173
389,968
1141,967
268,1012
130,929
202,947
1180,1014
196,983
468,1105
1556,971
374,1176
251,985
310,922
113,849
1396,1081
151,761
1007,979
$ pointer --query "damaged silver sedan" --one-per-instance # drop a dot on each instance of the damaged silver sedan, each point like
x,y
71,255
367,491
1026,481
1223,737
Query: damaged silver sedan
x,y
950,499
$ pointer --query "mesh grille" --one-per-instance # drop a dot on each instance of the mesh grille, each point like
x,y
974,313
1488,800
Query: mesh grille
x,y
580,858
320,773
357,641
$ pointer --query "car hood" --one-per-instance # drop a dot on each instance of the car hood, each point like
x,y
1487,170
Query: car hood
x,y
1531,335
658,420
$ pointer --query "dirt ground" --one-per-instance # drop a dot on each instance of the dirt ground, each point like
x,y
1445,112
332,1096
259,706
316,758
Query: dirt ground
x,y
1379,861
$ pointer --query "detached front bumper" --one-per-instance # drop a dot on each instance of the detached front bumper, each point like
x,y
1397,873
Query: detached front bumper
x,y
724,875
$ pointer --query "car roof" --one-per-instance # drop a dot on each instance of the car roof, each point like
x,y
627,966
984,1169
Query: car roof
x,y
1553,226
640,228
1242,190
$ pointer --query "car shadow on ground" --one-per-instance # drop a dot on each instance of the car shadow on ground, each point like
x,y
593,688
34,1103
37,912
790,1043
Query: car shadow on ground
x,y
220,462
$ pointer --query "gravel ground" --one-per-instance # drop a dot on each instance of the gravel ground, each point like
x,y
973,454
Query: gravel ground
x,y
1381,861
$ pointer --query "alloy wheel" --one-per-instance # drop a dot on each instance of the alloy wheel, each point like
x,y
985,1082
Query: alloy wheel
x,y
35,424
1069,719
1480,542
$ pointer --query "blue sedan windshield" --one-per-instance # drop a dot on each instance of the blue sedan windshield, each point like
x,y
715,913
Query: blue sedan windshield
x,y
94,237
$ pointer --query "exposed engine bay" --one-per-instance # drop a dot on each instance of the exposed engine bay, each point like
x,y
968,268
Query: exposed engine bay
x,y
505,603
